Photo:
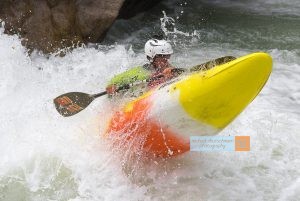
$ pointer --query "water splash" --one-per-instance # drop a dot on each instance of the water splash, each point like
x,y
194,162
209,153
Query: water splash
x,y
180,39
168,26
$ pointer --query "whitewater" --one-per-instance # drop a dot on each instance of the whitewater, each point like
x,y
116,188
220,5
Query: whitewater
x,y
44,156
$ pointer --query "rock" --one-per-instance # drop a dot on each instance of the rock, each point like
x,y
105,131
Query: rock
x,y
50,25
43,25
94,17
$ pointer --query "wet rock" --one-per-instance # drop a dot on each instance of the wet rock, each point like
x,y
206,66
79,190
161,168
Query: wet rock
x,y
50,25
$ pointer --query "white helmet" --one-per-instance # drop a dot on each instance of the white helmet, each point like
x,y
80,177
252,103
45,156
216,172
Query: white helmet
x,y
154,47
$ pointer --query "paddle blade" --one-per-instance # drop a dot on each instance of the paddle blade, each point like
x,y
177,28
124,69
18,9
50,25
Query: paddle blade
x,y
71,103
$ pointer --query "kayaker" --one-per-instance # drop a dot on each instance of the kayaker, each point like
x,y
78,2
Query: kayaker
x,y
157,71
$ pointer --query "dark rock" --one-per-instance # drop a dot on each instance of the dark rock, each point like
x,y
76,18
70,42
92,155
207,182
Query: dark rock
x,y
132,7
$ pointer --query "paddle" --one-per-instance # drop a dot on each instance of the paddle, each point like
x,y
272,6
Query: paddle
x,y
71,103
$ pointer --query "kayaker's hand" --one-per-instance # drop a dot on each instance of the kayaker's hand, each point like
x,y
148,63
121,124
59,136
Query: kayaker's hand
x,y
111,89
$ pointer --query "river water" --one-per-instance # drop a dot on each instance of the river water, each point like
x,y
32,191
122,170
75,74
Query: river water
x,y
46,157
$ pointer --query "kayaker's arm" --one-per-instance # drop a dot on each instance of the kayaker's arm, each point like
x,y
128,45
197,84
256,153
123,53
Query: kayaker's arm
x,y
167,74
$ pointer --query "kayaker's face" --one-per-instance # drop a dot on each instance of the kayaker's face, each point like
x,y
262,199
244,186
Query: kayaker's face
x,y
161,61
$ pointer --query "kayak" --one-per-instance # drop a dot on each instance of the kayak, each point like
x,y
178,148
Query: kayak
x,y
160,122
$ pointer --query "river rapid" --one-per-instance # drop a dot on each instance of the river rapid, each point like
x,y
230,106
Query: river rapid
x,y
44,156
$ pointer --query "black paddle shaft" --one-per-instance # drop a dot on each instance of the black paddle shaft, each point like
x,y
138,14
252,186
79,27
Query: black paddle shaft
x,y
99,94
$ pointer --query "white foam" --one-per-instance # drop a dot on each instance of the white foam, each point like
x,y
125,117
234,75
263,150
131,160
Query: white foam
x,y
46,157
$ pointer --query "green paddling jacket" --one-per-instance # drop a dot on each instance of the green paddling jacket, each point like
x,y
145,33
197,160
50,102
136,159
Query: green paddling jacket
x,y
139,73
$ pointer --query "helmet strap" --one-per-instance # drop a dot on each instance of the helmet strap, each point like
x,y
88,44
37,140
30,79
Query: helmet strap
x,y
150,59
